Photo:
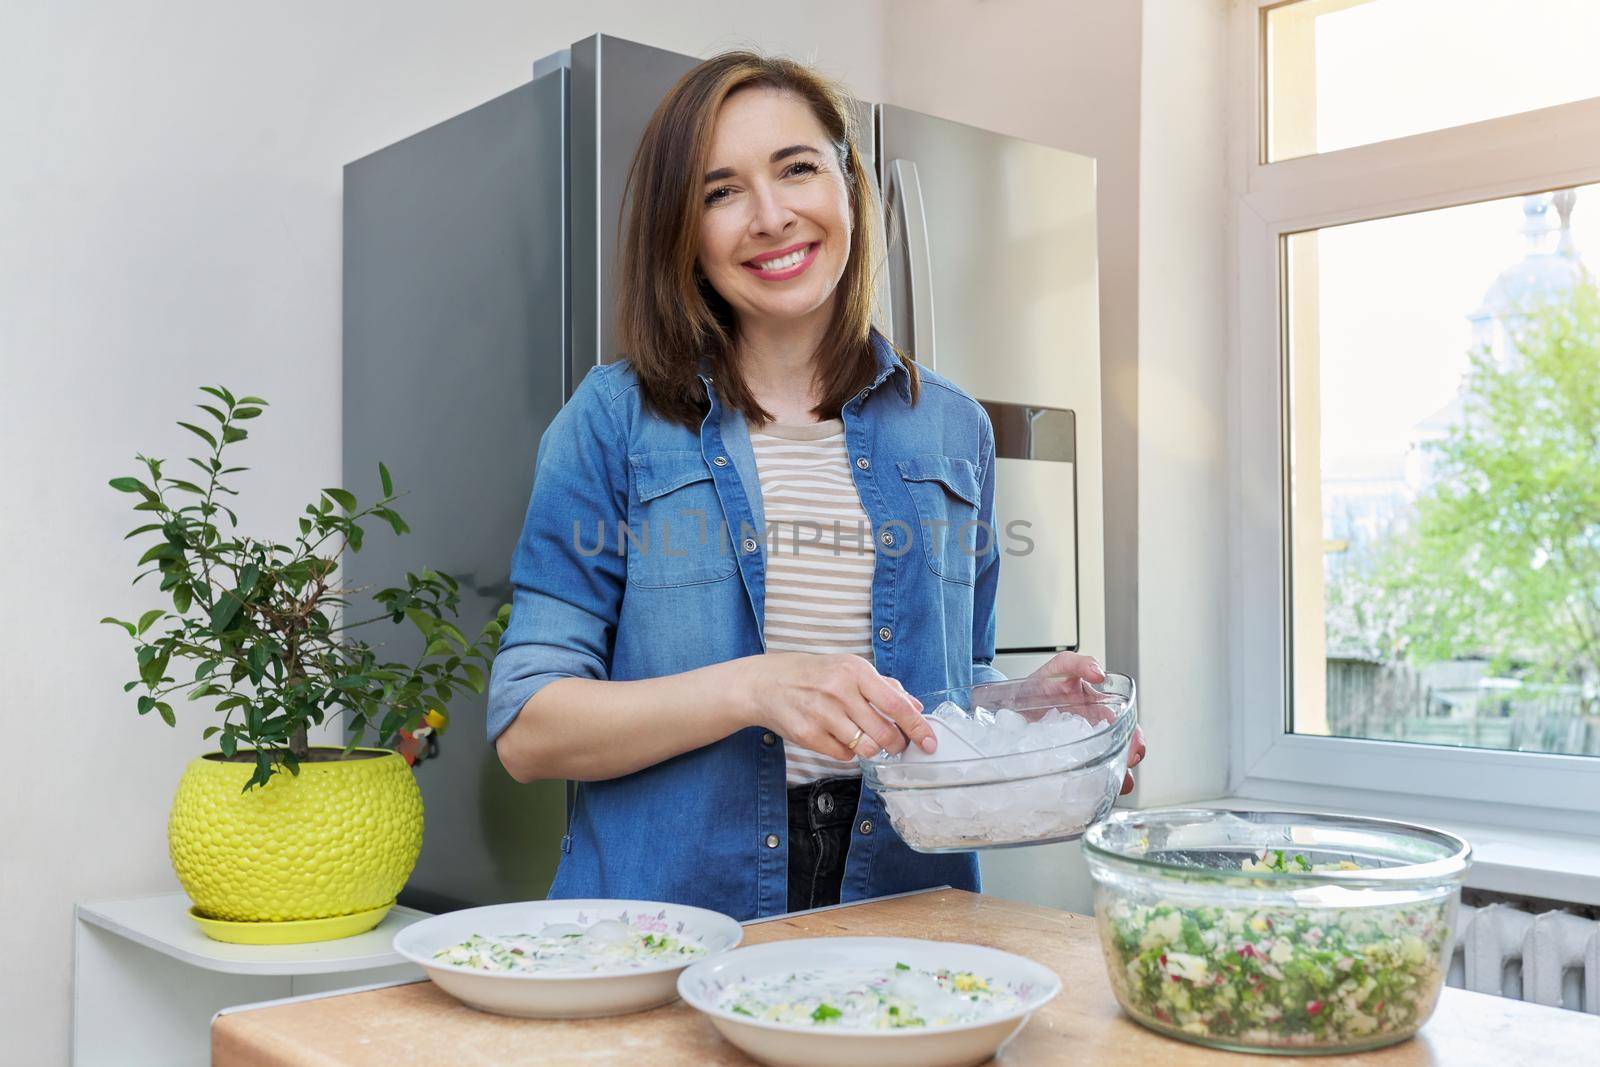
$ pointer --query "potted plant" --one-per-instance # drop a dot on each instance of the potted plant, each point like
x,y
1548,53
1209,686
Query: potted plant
x,y
273,839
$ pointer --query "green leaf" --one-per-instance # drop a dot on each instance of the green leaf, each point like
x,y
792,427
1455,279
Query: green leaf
x,y
394,520
128,626
218,392
164,550
205,669
145,704
474,677
344,498
224,612
166,713
246,413
229,743
209,732
148,618
215,414
256,400
129,485
422,620
198,432
187,487
142,529
383,477
232,434
437,647
258,661
263,771
181,598
247,580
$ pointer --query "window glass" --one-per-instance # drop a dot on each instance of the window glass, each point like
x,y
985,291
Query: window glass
x,y
1341,73
1444,504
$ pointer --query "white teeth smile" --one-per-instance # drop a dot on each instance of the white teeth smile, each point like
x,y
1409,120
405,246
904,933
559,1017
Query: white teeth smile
x,y
784,262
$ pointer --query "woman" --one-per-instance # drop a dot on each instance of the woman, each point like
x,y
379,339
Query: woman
x,y
730,580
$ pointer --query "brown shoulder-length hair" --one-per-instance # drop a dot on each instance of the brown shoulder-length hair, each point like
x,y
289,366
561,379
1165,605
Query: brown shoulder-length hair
x,y
669,316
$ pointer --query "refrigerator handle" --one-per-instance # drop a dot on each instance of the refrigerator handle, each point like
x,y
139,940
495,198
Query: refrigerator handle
x,y
905,192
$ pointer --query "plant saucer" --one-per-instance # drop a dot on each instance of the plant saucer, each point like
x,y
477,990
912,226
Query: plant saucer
x,y
293,931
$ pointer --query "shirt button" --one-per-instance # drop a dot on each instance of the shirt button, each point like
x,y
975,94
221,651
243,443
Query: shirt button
x,y
866,826
749,544
769,739
721,461
772,840
884,633
863,462
886,537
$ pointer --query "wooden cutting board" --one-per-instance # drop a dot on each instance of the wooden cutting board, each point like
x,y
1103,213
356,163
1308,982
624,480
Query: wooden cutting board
x,y
415,1024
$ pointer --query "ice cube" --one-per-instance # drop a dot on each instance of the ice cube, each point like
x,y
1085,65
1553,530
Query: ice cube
x,y
560,930
1009,723
951,745
607,931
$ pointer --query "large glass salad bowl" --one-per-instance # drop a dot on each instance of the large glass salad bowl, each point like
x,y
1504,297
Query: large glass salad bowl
x,y
1272,931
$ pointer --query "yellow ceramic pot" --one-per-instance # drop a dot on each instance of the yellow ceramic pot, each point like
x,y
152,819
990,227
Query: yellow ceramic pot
x,y
339,838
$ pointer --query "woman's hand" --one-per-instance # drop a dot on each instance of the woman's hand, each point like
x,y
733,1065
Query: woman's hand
x,y
1070,674
824,702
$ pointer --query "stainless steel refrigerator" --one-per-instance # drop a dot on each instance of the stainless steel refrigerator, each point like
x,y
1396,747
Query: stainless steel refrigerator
x,y
478,289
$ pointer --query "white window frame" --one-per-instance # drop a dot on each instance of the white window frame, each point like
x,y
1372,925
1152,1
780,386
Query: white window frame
x,y
1550,148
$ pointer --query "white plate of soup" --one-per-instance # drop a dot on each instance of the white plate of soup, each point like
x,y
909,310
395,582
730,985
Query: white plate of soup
x,y
868,1001
566,959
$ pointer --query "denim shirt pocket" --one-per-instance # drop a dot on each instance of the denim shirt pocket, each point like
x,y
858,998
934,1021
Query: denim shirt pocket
x,y
947,498
675,532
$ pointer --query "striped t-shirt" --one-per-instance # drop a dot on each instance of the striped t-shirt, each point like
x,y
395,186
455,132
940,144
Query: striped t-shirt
x,y
819,559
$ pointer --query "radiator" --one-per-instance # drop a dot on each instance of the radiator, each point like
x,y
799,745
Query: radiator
x,y
1549,957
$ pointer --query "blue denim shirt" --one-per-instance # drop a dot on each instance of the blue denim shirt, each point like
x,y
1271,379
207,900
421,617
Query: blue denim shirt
x,y
643,555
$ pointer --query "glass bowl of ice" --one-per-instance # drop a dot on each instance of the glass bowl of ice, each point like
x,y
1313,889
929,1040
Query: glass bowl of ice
x,y
1023,762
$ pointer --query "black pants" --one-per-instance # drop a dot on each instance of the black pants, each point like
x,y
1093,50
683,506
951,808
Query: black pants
x,y
820,817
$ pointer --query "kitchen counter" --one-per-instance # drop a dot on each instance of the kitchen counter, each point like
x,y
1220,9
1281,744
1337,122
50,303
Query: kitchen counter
x,y
414,1023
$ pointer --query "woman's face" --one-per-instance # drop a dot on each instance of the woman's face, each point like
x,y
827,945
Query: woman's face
x,y
775,232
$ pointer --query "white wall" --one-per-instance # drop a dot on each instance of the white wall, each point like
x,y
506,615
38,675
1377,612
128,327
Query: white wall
x,y
1183,346
170,215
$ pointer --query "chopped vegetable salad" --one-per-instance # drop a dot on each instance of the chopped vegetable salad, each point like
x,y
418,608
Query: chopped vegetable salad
x,y
1277,975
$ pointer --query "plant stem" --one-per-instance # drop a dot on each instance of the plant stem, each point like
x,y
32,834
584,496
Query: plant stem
x,y
298,745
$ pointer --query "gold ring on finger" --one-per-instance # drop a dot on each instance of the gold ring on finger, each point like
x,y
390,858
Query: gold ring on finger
x,y
856,740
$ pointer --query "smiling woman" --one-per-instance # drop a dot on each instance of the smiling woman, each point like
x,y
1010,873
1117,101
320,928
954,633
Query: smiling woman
x,y
777,237
719,603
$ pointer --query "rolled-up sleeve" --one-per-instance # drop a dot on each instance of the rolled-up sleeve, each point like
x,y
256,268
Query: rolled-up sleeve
x,y
567,577
988,571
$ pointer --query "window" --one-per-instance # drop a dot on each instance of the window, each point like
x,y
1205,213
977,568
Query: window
x,y
1445,371
1417,386
1341,73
